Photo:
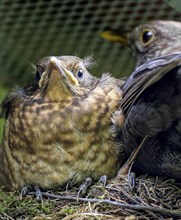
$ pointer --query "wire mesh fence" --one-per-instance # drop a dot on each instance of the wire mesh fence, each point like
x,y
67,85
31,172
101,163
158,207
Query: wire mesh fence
x,y
34,29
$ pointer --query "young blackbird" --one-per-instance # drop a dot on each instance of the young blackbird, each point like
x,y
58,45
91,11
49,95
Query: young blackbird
x,y
57,127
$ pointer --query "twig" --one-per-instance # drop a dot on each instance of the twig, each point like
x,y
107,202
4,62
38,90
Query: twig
x,y
125,194
163,211
5,216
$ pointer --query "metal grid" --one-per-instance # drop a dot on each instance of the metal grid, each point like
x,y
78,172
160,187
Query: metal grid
x,y
34,29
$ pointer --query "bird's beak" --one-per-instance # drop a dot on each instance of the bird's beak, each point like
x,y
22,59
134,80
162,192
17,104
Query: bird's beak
x,y
63,71
120,36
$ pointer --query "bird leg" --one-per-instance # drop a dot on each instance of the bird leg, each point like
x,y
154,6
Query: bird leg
x,y
84,187
88,182
26,189
125,168
38,193
103,180
124,172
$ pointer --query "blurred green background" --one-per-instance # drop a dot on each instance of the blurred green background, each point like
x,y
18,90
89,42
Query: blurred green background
x,y
34,29
3,92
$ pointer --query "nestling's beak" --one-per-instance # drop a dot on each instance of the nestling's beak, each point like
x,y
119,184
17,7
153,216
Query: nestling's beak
x,y
63,71
121,36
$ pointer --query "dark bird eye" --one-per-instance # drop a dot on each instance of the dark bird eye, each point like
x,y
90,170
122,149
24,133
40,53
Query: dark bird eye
x,y
146,36
39,70
38,76
80,73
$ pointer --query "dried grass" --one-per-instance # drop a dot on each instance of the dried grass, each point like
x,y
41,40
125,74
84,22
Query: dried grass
x,y
152,198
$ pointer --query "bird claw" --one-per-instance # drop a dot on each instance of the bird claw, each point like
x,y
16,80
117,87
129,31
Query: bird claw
x,y
131,180
103,180
84,187
68,185
24,191
27,189
125,174
38,193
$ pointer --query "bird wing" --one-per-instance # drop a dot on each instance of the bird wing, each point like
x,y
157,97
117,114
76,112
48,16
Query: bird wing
x,y
145,76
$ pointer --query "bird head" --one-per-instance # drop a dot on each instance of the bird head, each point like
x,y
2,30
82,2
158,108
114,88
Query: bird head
x,y
56,79
150,40
64,76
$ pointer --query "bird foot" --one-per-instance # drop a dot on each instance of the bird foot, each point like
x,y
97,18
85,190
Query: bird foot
x,y
129,177
26,189
88,182
84,187
68,186
39,196
124,174
103,180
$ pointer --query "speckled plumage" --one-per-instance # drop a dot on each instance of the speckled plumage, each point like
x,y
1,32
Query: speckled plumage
x,y
58,126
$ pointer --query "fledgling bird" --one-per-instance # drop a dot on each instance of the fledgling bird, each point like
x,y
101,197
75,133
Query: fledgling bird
x,y
57,127
151,100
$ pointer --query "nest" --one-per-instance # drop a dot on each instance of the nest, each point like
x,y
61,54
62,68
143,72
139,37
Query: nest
x,y
151,198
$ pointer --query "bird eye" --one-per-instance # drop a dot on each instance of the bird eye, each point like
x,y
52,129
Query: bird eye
x,y
39,71
80,73
146,36
38,76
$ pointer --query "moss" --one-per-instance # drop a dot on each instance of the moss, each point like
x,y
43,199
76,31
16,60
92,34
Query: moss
x,y
13,206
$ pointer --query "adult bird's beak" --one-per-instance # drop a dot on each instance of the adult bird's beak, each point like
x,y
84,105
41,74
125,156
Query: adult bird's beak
x,y
120,36
62,70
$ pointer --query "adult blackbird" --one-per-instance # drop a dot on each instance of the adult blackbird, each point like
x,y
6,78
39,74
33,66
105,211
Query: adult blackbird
x,y
152,108
150,40
152,97
57,127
